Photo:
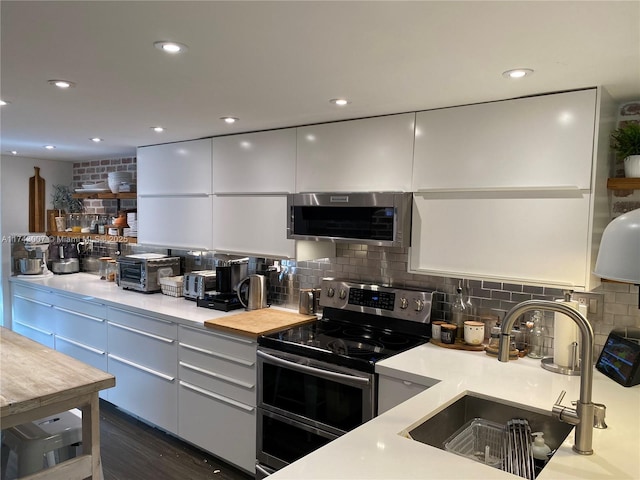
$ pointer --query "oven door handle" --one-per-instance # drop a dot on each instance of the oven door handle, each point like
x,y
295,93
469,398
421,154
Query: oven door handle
x,y
319,372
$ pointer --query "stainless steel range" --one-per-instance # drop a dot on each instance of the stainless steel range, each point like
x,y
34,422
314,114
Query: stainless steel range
x,y
317,381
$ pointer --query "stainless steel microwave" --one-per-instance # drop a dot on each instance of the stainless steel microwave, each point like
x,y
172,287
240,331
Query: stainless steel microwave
x,y
373,218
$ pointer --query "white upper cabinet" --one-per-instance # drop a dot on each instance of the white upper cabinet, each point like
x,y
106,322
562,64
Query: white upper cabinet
x,y
513,200
176,221
261,162
372,154
508,237
543,142
256,225
176,168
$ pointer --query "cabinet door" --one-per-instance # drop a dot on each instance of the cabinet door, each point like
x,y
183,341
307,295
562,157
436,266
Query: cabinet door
x,y
175,221
262,162
393,391
372,154
536,142
514,237
174,168
256,225
253,225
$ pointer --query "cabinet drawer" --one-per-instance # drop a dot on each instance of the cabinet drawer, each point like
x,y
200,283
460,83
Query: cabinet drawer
x,y
36,334
217,424
81,327
85,353
143,392
147,323
33,293
226,378
34,313
81,306
153,351
238,348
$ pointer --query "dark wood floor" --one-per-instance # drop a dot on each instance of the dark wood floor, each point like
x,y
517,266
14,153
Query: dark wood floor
x,y
133,450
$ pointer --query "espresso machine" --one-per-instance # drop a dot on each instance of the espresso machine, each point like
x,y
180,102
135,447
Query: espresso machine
x,y
229,273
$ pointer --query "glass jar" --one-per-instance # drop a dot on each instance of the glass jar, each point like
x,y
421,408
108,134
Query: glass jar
x,y
112,270
103,270
103,221
74,222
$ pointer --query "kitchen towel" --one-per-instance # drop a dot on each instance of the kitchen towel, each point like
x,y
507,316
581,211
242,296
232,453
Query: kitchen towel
x,y
565,332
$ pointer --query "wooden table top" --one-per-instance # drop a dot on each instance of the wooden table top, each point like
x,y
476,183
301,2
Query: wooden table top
x,y
34,376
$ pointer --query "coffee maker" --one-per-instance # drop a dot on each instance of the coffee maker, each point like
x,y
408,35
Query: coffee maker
x,y
229,273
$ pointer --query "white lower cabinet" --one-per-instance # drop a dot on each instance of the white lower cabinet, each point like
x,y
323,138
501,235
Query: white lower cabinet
x,y
81,331
143,358
217,394
393,391
32,314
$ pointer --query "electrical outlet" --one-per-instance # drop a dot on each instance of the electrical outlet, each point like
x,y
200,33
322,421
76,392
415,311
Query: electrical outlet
x,y
591,300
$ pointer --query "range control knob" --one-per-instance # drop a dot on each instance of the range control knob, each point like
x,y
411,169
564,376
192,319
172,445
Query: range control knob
x,y
330,292
404,303
342,294
419,305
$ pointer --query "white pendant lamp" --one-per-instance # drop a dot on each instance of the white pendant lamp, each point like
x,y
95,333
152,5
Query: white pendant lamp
x,y
619,254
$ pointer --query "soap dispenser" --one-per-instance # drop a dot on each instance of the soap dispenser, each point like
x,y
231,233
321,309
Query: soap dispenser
x,y
540,449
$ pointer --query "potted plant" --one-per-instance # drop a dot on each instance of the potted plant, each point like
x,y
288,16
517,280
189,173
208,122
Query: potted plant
x,y
63,202
626,142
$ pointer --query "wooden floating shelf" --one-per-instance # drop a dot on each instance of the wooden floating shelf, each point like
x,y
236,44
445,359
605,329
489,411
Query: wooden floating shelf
x,y
108,195
623,184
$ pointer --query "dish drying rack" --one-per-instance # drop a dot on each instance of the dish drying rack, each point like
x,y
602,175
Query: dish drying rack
x,y
505,447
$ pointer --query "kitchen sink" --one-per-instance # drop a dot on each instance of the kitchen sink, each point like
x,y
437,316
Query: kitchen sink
x,y
437,429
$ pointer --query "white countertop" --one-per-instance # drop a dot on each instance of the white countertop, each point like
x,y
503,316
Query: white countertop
x,y
377,451
89,286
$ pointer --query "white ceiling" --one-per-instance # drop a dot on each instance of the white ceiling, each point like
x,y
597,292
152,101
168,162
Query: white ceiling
x,y
277,64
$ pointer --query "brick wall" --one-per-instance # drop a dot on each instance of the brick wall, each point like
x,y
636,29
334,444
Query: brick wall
x,y
97,171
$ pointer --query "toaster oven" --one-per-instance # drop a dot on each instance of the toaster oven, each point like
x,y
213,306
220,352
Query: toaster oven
x,y
142,272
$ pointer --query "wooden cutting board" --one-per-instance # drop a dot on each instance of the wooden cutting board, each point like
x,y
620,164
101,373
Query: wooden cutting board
x,y
36,202
259,322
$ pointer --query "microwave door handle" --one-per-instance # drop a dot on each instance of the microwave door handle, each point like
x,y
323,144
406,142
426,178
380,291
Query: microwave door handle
x,y
313,371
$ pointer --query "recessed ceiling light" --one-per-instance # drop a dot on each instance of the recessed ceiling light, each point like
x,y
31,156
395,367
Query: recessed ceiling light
x,y
517,73
341,102
49,147
3,102
96,139
14,152
61,83
171,47
158,129
229,120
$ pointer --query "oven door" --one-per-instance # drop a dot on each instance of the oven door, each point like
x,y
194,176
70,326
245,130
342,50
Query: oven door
x,y
282,440
130,273
324,396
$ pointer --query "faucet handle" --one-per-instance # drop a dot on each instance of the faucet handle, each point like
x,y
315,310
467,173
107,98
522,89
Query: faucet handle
x,y
562,394
599,412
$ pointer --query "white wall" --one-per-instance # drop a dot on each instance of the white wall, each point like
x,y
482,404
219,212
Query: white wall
x,y
14,208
